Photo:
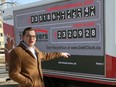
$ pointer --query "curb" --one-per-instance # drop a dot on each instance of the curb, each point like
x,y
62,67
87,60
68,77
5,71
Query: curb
x,y
3,79
8,83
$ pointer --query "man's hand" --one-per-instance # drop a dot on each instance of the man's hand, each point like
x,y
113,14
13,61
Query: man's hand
x,y
65,54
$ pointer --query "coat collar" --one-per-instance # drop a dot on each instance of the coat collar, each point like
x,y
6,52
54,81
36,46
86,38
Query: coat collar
x,y
22,45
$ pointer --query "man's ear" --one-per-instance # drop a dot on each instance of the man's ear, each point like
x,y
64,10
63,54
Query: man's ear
x,y
22,38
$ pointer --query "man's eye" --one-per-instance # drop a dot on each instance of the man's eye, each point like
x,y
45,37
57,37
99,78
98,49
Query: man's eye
x,y
29,36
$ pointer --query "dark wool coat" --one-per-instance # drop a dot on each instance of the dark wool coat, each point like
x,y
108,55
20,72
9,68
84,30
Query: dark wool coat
x,y
25,69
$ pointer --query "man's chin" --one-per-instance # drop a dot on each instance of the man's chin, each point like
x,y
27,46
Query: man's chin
x,y
31,45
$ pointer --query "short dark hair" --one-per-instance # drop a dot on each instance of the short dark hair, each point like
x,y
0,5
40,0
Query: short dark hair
x,y
27,29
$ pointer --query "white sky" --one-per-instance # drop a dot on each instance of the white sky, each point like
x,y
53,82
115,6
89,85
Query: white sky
x,y
23,1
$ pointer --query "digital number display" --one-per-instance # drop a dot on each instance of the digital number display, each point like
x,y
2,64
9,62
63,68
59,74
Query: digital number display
x,y
75,34
62,15
81,32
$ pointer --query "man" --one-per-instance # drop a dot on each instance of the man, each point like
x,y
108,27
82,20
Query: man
x,y
25,63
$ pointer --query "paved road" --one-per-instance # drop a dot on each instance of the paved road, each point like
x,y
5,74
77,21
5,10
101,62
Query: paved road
x,y
8,84
4,77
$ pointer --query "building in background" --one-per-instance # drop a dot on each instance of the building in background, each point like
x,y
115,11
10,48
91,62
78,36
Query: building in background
x,y
1,28
4,5
1,35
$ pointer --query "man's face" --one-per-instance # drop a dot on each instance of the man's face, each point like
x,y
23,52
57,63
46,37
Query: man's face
x,y
30,38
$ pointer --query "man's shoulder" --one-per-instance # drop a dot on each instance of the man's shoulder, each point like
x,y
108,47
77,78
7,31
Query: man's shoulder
x,y
18,48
